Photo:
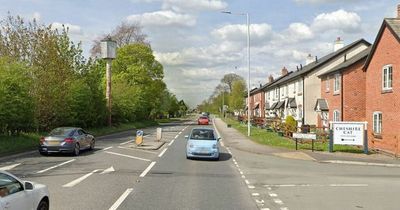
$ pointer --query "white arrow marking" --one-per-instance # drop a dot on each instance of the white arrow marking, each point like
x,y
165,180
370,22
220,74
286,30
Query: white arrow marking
x,y
80,179
6,168
108,170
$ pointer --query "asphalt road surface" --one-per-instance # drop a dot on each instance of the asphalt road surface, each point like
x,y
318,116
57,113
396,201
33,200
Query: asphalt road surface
x,y
117,176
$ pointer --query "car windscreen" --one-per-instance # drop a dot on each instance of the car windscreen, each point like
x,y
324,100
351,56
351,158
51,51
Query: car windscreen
x,y
61,132
199,134
204,118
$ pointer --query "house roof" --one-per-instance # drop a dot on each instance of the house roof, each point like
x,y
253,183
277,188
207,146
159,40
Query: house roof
x,y
292,103
257,90
393,25
272,106
321,61
321,105
360,56
280,105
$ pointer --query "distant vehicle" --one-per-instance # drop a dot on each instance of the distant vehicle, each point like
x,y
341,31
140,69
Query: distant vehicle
x,y
16,194
207,114
66,140
202,143
203,120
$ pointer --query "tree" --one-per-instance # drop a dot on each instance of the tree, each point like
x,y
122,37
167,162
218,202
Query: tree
x,y
236,99
228,79
124,34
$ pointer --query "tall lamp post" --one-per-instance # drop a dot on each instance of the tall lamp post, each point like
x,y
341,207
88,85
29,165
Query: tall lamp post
x,y
108,48
248,65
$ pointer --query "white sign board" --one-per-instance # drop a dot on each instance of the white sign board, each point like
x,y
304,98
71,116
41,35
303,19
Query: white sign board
x,y
348,133
304,136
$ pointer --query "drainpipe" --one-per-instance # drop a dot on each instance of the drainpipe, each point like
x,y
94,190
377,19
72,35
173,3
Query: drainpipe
x,y
304,110
341,97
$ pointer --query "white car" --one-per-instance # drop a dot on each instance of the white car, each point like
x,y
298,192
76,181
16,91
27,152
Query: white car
x,y
16,194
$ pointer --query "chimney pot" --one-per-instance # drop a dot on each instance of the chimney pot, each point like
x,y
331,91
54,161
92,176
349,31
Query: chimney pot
x,y
316,59
338,44
398,11
270,78
309,59
284,71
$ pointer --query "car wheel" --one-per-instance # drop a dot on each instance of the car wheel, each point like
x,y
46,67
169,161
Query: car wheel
x,y
77,149
43,205
92,143
43,153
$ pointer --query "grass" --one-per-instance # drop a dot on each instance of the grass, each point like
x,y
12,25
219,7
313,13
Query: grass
x,y
29,141
262,136
168,120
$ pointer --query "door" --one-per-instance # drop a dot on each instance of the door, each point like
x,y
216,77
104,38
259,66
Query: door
x,y
12,194
82,139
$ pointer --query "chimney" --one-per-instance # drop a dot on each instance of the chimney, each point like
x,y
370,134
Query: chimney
x,y
398,11
338,44
284,71
316,59
270,78
309,59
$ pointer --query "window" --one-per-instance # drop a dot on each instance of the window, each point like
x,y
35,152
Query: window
x,y
336,116
327,81
377,122
387,77
287,90
294,87
336,86
9,185
276,93
300,86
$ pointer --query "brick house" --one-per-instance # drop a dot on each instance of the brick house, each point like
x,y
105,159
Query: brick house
x,y
383,88
343,94
257,103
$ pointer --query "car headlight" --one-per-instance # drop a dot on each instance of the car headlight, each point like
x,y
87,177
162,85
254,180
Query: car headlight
x,y
191,145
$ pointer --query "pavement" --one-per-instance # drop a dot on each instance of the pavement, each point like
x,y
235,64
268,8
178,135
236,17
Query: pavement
x,y
233,138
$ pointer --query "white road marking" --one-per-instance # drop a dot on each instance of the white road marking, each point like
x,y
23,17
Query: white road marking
x,y
176,136
121,199
162,153
108,170
172,141
361,163
316,185
284,208
269,188
265,209
146,135
272,194
278,201
255,194
80,179
6,168
241,172
247,182
243,177
147,169
127,142
222,143
180,133
348,185
251,187
53,167
259,201
107,148
128,156
140,150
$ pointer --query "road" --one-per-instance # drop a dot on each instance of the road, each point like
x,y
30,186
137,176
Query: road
x,y
116,176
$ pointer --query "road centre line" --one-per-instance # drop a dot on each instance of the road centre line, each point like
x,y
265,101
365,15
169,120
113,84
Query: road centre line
x,y
6,168
53,167
127,142
121,199
80,179
247,181
278,201
172,141
162,153
176,136
147,169
107,148
139,150
180,133
316,185
272,194
255,194
128,156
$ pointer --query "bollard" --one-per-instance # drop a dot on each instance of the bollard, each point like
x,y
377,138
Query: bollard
x,y
139,137
159,134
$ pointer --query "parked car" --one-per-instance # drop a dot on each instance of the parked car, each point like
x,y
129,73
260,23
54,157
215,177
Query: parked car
x,y
203,120
66,140
16,194
202,143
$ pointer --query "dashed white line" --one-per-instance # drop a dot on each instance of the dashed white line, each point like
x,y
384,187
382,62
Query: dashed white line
x,y
259,201
127,142
6,168
147,169
176,136
251,186
162,153
107,148
278,201
316,185
121,199
255,194
284,208
180,133
272,194
58,165
172,141
80,179
265,209
348,185
243,176
241,172
129,156
247,182
140,150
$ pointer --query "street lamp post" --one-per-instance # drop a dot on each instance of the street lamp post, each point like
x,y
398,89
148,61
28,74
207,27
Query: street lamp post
x,y
248,65
108,48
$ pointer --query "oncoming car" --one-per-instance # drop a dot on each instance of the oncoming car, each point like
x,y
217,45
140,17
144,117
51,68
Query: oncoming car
x,y
66,139
203,120
202,143
16,194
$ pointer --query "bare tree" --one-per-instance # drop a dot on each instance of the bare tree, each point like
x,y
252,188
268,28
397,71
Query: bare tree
x,y
229,79
123,34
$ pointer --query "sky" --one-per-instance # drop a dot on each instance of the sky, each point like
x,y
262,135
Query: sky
x,y
198,44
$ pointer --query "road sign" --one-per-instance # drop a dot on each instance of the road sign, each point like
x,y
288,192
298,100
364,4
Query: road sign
x,y
305,136
139,137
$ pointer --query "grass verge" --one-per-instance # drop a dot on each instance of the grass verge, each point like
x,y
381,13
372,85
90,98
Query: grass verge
x,y
262,136
29,141
168,120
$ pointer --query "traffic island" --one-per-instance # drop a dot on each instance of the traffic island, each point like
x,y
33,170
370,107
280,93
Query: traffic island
x,y
151,145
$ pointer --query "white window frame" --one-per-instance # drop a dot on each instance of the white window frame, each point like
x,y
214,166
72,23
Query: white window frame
x,y
300,86
387,77
377,122
336,84
276,93
336,115
287,90
327,84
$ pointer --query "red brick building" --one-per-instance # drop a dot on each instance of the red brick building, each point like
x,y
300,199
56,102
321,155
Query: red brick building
x,y
383,88
257,103
343,94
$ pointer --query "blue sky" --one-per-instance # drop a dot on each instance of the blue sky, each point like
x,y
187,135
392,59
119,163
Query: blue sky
x,y
198,45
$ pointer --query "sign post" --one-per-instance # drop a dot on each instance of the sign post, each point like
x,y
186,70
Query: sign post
x,y
311,136
349,133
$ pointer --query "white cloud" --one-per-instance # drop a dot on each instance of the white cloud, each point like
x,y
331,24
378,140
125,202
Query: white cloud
x,y
163,18
194,5
72,29
324,1
337,20
298,31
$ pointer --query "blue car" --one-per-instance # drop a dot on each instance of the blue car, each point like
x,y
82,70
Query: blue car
x,y
202,143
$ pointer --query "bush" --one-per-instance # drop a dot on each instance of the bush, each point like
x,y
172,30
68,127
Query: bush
x,y
290,125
